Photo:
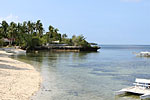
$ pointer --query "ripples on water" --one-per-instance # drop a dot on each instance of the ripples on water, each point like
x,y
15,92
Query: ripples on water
x,y
89,75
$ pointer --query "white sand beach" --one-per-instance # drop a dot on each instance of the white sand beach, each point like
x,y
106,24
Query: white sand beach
x,y
18,80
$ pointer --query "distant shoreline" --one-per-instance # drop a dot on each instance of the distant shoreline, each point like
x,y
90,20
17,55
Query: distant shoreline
x,y
19,80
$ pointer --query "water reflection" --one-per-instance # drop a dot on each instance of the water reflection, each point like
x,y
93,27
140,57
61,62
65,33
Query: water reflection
x,y
87,76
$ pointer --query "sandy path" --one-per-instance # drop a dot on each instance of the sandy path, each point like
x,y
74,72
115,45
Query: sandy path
x,y
18,80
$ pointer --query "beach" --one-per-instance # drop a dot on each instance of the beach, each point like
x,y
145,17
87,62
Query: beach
x,y
18,80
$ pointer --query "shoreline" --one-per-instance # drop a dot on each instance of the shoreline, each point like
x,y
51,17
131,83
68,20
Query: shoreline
x,y
67,48
18,80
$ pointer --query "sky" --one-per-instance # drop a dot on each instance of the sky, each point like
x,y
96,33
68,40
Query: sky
x,y
100,21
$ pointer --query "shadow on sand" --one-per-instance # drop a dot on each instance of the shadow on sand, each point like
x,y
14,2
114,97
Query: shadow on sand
x,y
5,66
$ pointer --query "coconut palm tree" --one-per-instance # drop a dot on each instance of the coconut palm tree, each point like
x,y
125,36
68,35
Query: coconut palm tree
x,y
12,32
39,28
4,28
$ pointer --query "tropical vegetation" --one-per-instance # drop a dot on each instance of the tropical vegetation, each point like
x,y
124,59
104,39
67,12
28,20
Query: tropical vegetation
x,y
30,34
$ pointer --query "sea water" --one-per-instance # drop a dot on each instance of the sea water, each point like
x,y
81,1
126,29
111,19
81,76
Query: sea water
x,y
89,75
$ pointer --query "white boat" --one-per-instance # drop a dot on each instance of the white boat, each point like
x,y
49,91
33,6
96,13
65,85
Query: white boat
x,y
143,54
141,86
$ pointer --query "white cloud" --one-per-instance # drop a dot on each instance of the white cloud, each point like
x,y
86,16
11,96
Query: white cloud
x,y
130,0
10,18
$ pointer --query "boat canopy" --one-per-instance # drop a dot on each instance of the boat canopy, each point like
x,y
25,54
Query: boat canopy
x,y
138,80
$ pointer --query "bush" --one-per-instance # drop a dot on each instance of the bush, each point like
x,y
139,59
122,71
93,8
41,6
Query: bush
x,y
80,41
1,42
35,42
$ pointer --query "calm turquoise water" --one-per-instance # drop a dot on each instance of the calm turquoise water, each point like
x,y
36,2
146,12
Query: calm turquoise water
x,y
89,75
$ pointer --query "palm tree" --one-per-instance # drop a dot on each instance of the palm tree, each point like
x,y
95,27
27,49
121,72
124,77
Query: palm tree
x,y
33,27
29,27
12,32
20,34
64,36
56,30
4,28
39,28
24,27
51,31
37,25
57,35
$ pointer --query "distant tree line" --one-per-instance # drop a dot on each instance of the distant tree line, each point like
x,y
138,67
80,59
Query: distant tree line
x,y
31,34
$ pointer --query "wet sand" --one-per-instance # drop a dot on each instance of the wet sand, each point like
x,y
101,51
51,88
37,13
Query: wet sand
x,y
18,80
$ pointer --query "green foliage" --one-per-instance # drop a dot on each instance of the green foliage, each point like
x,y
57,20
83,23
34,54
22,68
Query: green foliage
x,y
35,42
64,36
4,29
12,30
44,39
53,34
80,41
67,41
95,46
1,34
1,42
30,34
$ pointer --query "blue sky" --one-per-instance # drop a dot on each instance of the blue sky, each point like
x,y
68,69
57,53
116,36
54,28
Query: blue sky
x,y
101,21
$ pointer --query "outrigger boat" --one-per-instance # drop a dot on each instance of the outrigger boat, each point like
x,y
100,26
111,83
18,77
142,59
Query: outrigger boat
x,y
141,86
143,54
